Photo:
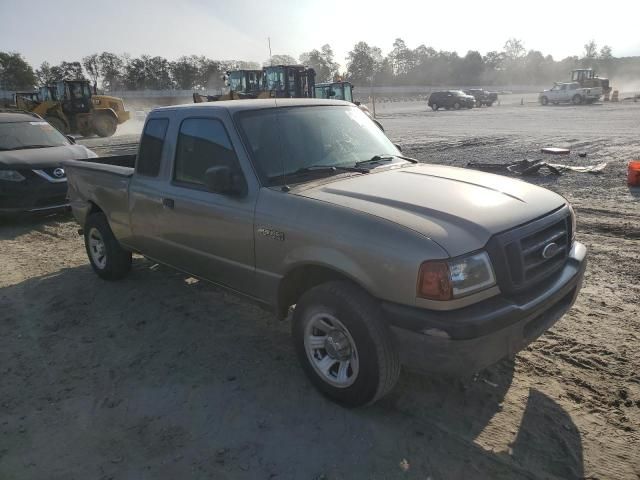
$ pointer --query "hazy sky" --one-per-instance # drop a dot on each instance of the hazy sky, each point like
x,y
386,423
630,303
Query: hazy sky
x,y
238,29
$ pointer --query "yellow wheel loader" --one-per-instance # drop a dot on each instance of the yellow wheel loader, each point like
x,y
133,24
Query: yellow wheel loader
x,y
71,107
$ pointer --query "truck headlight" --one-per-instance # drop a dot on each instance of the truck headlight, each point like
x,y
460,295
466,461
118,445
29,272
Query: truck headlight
x,y
459,277
11,176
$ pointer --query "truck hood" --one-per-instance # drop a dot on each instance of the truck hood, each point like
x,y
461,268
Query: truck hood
x,y
43,157
457,208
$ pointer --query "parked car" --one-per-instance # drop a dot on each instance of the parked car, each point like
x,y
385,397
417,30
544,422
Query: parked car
x,y
570,92
455,99
482,97
32,178
309,209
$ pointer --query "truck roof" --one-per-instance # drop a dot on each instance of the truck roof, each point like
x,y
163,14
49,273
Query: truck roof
x,y
258,104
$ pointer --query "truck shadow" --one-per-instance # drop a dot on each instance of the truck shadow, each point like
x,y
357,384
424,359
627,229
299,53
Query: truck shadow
x,y
160,375
17,225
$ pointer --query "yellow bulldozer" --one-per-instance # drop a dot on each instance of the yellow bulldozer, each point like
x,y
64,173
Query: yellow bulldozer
x,y
72,107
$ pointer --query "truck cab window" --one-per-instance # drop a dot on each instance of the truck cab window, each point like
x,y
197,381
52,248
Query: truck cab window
x,y
151,145
202,143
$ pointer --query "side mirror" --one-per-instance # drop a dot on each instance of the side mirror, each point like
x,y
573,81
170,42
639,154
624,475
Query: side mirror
x,y
397,146
357,103
71,139
221,180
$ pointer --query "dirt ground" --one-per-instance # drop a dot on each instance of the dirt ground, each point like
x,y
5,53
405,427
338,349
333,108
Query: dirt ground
x,y
160,376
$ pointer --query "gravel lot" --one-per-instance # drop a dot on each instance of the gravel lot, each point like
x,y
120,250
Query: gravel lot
x,y
160,376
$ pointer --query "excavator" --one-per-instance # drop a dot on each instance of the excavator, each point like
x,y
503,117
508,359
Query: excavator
x,y
72,107
276,81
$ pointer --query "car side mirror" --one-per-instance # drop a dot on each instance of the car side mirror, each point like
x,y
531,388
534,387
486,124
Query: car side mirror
x,y
222,180
397,146
71,139
357,103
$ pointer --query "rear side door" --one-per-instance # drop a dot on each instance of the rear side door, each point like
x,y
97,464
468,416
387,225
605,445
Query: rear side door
x,y
205,233
146,189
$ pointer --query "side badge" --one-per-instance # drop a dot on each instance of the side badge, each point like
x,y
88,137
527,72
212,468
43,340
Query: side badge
x,y
272,234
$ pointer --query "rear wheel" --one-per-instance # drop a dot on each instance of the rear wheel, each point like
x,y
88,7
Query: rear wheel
x,y
58,124
344,346
108,259
456,106
544,100
104,125
577,99
434,107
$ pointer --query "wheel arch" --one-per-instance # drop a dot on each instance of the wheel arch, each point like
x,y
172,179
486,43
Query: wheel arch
x,y
303,277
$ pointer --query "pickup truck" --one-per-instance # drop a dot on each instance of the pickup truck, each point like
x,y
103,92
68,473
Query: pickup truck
x,y
305,206
570,92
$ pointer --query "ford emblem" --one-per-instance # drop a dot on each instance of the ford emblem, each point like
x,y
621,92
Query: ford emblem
x,y
550,250
58,172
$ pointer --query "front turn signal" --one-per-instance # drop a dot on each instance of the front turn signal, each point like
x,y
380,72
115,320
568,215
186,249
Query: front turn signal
x,y
434,281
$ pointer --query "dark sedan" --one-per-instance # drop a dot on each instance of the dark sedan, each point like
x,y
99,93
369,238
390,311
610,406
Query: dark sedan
x,y
31,153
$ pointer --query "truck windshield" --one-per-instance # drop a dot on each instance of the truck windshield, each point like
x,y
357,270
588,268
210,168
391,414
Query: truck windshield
x,y
36,134
286,140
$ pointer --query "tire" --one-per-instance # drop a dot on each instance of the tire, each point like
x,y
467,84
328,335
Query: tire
x,y
490,104
576,100
356,340
58,124
544,101
108,259
434,107
104,125
456,106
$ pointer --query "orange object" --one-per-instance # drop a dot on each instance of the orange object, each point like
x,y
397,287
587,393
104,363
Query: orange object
x,y
633,175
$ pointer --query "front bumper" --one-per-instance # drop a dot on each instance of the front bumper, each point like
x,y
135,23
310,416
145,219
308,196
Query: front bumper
x,y
34,194
464,341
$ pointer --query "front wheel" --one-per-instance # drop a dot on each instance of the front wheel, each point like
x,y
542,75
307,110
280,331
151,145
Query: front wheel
x,y
108,259
544,100
344,346
577,99
104,125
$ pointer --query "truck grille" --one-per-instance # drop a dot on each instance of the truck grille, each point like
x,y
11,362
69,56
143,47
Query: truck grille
x,y
525,256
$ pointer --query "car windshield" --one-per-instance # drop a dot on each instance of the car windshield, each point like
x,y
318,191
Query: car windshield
x,y
285,141
36,134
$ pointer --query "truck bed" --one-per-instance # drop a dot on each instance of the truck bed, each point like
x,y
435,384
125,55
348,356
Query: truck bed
x,y
103,183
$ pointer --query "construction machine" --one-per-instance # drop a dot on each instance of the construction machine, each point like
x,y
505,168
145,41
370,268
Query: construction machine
x,y
72,107
242,84
279,81
587,78
341,90
289,81
338,90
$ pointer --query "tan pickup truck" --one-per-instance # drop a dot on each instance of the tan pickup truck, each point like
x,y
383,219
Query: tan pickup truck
x,y
307,207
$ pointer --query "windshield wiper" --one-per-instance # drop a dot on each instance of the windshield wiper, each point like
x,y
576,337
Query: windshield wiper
x,y
386,157
25,147
328,168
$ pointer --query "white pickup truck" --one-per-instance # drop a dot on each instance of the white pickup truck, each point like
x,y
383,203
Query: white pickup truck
x,y
570,92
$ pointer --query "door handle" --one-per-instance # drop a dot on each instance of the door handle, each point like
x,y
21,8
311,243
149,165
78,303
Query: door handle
x,y
168,202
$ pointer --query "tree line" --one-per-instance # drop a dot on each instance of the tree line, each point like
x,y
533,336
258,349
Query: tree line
x,y
366,65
